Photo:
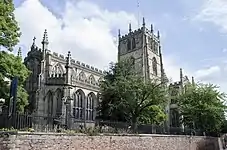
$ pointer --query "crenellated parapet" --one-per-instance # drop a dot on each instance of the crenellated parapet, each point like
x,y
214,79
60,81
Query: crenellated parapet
x,y
86,66
57,76
139,31
128,35
77,63
56,79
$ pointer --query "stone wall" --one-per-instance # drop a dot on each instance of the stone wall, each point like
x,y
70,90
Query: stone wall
x,y
22,141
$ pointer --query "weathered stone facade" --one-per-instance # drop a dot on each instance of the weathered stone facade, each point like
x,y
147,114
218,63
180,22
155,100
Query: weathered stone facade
x,y
63,88
175,89
144,47
83,142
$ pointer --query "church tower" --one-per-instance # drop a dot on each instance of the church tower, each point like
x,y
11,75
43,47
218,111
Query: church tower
x,y
144,47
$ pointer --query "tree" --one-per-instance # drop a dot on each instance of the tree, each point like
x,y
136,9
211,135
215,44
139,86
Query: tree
x,y
202,107
224,127
11,66
153,115
125,95
9,29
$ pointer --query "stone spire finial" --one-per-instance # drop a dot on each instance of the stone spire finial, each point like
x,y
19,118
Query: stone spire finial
x,y
130,27
119,33
34,41
45,37
69,54
193,81
45,41
19,53
181,80
158,34
152,28
144,22
68,59
181,75
33,47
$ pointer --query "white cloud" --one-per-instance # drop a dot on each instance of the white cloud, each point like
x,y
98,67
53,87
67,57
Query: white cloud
x,y
84,28
214,11
209,73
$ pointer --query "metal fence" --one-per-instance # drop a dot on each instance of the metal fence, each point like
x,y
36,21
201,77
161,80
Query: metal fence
x,y
119,127
26,122
53,124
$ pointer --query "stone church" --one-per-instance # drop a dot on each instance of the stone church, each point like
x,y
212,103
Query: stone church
x,y
66,89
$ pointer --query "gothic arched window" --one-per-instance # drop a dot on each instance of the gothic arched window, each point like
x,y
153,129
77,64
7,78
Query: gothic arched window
x,y
82,76
50,103
90,106
156,49
92,80
155,65
129,44
133,43
59,96
78,104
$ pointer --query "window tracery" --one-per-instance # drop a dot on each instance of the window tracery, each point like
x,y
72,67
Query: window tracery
x,y
57,70
133,43
82,76
92,80
129,45
90,106
78,105
155,65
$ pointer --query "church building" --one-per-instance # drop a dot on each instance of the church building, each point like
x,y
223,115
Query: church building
x,y
67,90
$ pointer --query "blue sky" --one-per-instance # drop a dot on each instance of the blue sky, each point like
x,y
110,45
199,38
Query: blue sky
x,y
193,34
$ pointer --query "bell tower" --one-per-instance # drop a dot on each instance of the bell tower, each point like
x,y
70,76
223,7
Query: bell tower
x,y
143,45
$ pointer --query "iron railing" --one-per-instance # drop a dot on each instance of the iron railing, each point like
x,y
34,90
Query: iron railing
x,y
53,124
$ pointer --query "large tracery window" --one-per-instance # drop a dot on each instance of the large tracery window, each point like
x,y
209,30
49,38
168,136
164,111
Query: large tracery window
x,y
155,65
78,105
156,49
90,106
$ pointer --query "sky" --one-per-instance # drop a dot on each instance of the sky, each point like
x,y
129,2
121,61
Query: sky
x,y
193,32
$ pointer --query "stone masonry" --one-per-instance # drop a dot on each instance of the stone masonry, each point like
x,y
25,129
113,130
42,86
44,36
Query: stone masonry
x,y
68,90
115,142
